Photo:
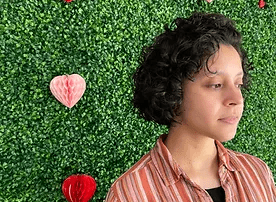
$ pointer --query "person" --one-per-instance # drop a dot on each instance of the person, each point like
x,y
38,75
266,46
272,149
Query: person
x,y
191,80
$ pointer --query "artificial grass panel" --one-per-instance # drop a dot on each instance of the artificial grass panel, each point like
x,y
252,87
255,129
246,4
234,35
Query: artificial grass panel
x,y
43,142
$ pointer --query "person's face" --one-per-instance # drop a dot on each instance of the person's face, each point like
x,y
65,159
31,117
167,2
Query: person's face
x,y
213,103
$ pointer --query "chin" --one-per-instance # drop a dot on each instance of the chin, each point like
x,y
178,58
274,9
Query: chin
x,y
226,137
226,133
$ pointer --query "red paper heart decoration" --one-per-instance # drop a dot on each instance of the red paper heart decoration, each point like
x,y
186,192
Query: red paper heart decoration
x,y
68,89
79,188
68,1
262,4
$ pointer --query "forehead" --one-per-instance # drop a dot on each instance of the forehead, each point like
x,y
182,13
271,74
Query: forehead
x,y
226,62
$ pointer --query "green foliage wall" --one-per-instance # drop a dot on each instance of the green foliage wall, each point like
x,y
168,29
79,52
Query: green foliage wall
x,y
43,142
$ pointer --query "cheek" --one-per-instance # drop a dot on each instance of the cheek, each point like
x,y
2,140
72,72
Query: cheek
x,y
208,110
201,108
207,103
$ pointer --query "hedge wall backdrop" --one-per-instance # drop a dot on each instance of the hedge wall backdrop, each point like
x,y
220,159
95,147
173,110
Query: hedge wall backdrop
x,y
42,142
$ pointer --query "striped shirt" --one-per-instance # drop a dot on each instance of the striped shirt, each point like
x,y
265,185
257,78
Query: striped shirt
x,y
157,177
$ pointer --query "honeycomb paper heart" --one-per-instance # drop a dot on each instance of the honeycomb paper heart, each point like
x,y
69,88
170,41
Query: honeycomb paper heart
x,y
68,89
79,188
262,4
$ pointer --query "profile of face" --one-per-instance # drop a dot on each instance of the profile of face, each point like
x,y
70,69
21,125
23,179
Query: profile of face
x,y
213,103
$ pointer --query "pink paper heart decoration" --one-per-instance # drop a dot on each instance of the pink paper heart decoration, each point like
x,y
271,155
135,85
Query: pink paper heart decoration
x,y
209,1
79,188
68,89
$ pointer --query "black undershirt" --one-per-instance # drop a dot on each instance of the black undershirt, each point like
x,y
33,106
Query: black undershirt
x,y
217,194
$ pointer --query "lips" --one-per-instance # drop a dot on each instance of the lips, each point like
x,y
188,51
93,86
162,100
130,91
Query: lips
x,y
230,119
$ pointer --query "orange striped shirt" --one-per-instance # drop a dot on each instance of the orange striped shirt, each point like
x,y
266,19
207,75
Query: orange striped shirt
x,y
157,177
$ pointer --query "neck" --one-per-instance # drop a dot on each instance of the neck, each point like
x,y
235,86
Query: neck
x,y
196,154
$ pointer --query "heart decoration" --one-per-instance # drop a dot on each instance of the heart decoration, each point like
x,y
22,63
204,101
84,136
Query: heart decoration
x,y
262,4
79,188
209,1
68,1
68,89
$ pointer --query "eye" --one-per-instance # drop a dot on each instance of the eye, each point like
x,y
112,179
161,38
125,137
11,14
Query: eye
x,y
240,85
216,86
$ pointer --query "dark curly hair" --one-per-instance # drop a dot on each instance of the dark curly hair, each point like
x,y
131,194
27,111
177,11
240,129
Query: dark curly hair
x,y
177,55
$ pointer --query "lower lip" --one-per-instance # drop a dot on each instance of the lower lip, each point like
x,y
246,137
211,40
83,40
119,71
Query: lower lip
x,y
229,121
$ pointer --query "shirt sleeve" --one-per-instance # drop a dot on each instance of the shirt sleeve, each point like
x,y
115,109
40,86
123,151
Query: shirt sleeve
x,y
111,197
272,183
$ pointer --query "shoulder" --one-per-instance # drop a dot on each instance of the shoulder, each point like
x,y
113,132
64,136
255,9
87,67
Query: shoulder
x,y
130,180
247,159
139,166
249,163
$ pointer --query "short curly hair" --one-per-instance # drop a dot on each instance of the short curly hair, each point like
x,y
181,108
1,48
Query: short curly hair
x,y
177,55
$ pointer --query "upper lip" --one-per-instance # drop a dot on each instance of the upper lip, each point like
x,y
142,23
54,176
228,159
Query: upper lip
x,y
229,118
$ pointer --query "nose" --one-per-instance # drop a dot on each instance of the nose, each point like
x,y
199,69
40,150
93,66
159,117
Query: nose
x,y
233,96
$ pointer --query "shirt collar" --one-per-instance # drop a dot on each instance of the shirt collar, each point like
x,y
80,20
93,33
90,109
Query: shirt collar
x,y
171,171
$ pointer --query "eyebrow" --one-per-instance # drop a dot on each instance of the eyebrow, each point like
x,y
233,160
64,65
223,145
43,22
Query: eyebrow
x,y
223,73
